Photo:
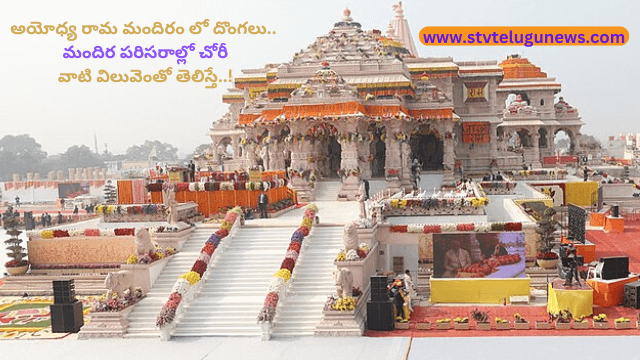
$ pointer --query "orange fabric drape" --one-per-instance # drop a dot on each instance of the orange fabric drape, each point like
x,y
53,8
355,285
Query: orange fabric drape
x,y
202,198
125,192
228,198
180,196
215,201
156,197
191,196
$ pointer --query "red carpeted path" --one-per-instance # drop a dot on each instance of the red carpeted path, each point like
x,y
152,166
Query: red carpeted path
x,y
619,244
530,313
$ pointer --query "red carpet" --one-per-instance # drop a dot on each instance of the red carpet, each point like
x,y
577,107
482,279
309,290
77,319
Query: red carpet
x,y
619,244
530,313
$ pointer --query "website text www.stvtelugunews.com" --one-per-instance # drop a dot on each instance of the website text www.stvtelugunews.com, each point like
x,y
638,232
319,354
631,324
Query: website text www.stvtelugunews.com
x,y
524,35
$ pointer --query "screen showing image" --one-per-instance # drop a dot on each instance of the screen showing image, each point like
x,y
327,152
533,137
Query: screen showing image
x,y
479,255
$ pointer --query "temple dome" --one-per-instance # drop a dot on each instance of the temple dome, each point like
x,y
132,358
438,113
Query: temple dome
x,y
516,67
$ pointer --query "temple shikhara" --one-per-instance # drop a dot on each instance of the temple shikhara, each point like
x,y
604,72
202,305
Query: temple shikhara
x,y
363,102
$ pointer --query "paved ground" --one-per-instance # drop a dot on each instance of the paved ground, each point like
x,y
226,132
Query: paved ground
x,y
583,347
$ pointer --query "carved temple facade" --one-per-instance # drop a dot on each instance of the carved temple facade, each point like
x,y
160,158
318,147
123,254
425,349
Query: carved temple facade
x,y
362,104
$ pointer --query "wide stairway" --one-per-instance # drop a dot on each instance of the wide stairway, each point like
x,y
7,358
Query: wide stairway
x,y
327,190
142,320
312,282
236,285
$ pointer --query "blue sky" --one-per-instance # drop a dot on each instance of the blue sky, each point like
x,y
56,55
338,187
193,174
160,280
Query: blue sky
x,y
596,80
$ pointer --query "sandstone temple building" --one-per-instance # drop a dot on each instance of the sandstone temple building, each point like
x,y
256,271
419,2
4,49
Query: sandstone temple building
x,y
362,103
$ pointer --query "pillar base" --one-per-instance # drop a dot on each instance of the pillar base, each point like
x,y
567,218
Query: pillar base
x,y
349,189
304,191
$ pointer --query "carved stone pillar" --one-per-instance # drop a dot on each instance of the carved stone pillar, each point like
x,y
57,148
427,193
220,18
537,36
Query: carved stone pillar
x,y
392,165
493,149
250,155
364,150
299,163
279,156
349,162
536,149
448,161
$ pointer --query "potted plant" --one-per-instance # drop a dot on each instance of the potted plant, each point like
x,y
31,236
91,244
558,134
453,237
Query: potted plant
x,y
461,323
622,323
502,324
563,320
18,265
482,320
424,325
547,259
544,324
600,322
520,323
581,323
443,324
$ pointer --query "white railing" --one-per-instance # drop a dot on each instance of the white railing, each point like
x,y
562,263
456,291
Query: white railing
x,y
166,332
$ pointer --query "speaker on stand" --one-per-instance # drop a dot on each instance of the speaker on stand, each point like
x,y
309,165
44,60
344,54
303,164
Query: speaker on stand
x,y
380,307
66,310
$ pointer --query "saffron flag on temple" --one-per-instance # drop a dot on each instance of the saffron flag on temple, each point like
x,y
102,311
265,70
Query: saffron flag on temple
x,y
476,133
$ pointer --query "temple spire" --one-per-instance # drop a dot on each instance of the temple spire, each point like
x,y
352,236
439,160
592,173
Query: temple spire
x,y
399,29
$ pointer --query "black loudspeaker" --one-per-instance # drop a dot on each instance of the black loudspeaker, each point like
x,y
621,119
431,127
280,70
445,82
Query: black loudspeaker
x,y
66,318
632,295
614,267
615,211
379,288
64,291
380,316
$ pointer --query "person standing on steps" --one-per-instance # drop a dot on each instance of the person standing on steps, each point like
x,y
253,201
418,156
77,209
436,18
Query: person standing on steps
x,y
366,189
263,201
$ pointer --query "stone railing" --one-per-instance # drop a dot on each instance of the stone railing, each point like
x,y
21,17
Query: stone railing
x,y
499,187
191,293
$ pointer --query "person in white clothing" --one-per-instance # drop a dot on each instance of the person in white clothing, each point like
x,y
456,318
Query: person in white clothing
x,y
455,258
410,288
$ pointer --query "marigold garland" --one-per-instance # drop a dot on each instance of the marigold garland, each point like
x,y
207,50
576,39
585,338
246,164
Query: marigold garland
x,y
283,273
192,277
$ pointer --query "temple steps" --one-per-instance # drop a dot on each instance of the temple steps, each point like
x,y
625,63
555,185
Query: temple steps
x,y
312,282
42,285
327,190
236,285
142,319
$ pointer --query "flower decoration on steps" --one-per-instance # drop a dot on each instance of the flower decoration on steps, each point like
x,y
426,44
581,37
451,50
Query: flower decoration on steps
x,y
191,278
281,278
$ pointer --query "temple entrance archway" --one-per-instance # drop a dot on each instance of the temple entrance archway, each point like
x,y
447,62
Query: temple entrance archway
x,y
377,149
328,151
563,142
427,147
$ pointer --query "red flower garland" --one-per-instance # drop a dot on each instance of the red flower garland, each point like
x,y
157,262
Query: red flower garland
x,y
200,267
209,248
271,301
295,246
125,232
465,227
60,233
304,231
361,253
513,226
431,229
399,228
222,233
288,263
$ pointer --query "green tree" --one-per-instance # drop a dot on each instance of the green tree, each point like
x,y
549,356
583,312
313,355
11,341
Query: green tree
x,y
75,156
201,149
19,154
164,151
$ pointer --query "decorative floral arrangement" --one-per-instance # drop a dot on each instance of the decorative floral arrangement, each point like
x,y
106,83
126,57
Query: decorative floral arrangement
x,y
622,320
547,256
342,256
146,259
183,284
581,319
281,277
600,318
501,320
102,304
443,321
341,304
57,234
519,319
451,227
459,320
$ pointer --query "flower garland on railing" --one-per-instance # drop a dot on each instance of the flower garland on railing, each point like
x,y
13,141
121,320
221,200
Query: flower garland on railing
x,y
281,278
182,285
465,227
158,254
430,203
543,172
350,172
354,254
57,234
148,209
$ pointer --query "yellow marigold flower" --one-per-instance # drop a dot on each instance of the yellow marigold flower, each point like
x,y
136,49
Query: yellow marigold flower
x,y
341,256
160,255
312,206
47,234
226,225
394,203
284,274
192,277
308,223
132,259
110,209
402,204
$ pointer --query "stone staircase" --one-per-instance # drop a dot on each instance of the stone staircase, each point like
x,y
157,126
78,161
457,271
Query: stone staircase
x,y
327,190
423,284
312,281
236,285
142,319
42,285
